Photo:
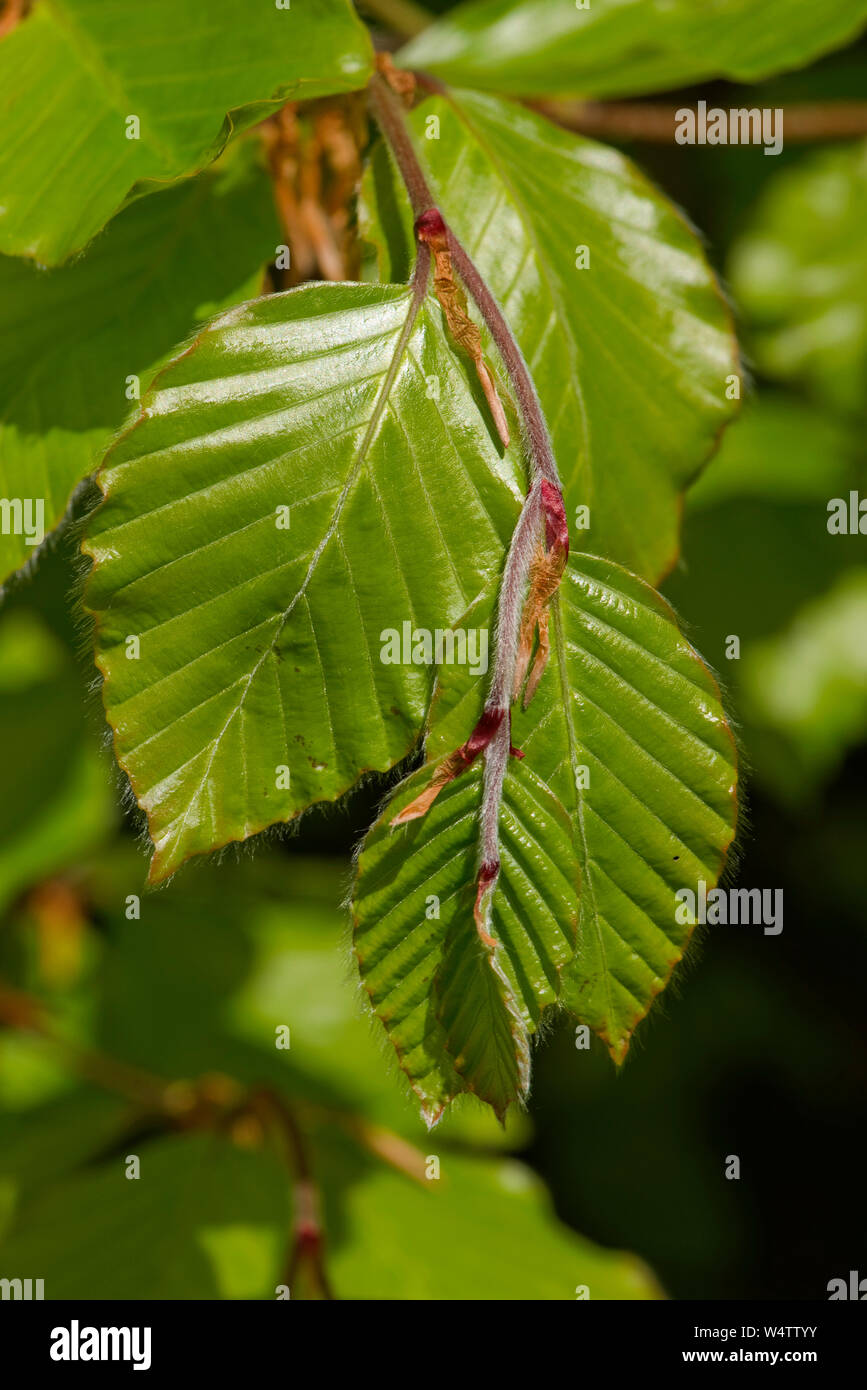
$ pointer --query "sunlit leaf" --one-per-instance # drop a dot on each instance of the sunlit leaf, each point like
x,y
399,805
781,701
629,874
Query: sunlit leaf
x,y
295,488
101,103
604,48
487,1232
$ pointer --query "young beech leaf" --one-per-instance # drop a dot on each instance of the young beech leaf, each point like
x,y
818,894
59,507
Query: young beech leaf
x,y
611,300
313,471
459,1013
625,47
100,103
625,793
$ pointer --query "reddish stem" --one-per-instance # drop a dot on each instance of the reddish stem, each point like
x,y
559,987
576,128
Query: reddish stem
x,y
543,515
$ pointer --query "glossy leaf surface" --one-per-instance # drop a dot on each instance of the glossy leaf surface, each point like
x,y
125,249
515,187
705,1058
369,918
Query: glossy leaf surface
x,y
627,794
605,48
294,490
100,103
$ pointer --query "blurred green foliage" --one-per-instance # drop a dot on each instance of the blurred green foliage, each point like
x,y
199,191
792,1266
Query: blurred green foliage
x,y
201,983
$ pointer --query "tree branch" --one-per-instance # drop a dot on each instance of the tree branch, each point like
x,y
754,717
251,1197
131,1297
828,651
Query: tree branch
x,y
389,115
308,1236
403,17
655,122
152,1093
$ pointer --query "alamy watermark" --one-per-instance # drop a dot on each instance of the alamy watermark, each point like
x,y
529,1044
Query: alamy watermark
x,y
847,516
25,1289
77,1343
739,126
758,907
418,646
852,1288
23,516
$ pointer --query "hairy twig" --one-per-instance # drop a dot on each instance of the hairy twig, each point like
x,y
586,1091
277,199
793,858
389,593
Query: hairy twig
x,y
540,541
389,115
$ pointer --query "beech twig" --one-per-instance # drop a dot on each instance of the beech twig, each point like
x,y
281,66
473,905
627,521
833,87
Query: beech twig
x,y
540,541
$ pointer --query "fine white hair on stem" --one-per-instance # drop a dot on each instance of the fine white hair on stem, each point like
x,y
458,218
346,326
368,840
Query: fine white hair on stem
x,y
544,498
524,541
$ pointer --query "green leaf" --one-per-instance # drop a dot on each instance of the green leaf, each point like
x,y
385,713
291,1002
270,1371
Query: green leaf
x,y
606,48
204,1220
769,486
626,788
261,630
806,688
73,338
457,1016
470,1224
62,802
236,952
632,356
800,271
75,71
779,450
41,1145
645,717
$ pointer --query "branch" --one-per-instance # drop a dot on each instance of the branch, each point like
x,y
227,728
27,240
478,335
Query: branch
x,y
26,1014
212,1102
389,115
655,123
308,1241
538,439
402,17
